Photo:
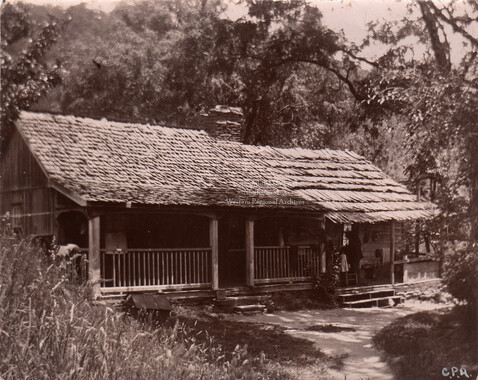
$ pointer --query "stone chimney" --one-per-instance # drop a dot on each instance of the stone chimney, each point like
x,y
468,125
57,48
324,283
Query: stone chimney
x,y
223,122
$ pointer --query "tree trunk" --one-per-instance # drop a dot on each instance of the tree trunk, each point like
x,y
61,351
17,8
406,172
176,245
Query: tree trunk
x,y
473,144
441,49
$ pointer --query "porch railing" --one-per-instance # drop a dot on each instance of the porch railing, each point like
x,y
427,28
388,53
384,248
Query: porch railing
x,y
155,268
285,264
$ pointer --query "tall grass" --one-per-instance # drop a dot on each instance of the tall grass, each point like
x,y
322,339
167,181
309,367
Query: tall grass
x,y
49,329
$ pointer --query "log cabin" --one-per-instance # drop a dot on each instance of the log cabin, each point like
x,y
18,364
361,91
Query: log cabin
x,y
195,211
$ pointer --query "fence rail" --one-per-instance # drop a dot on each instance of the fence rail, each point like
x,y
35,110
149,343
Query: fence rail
x,y
286,263
155,267
191,267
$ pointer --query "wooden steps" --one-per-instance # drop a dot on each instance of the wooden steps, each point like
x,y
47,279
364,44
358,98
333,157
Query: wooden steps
x,y
364,288
369,296
378,302
356,296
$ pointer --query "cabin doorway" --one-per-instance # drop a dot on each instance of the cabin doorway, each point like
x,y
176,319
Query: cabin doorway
x,y
232,253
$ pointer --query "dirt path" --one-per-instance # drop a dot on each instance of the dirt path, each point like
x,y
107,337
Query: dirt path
x,y
343,332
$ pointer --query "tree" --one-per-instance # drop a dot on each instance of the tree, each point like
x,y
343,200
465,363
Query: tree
x,y
441,103
169,61
109,69
280,64
25,77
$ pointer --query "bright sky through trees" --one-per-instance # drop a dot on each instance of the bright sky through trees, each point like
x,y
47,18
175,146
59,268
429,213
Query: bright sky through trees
x,y
351,16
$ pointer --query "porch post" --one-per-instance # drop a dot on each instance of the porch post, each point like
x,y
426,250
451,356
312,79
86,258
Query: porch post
x,y
250,252
94,272
214,244
281,237
323,260
392,252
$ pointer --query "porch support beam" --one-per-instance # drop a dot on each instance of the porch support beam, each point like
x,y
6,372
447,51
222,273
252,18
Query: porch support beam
x,y
250,251
323,260
94,272
281,237
214,243
392,252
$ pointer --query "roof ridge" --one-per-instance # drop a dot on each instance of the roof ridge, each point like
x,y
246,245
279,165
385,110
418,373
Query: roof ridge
x,y
353,155
115,122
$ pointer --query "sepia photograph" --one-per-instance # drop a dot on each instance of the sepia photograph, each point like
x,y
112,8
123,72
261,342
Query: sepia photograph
x,y
239,189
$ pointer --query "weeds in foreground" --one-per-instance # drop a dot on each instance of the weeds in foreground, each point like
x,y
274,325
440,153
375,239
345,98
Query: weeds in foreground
x,y
50,330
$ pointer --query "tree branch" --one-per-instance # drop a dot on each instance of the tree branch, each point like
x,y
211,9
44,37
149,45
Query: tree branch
x,y
316,62
374,64
452,23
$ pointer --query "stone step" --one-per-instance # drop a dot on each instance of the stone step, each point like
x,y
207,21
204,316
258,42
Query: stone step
x,y
257,308
381,301
233,301
356,296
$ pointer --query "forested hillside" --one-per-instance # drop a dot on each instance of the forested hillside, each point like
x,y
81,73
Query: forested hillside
x,y
299,83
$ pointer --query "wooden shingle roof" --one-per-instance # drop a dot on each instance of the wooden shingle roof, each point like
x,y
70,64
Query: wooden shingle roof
x,y
105,161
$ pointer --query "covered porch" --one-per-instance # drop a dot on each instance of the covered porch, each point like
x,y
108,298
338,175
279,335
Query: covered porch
x,y
233,252
164,251
136,251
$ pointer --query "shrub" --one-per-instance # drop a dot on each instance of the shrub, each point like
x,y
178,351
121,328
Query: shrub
x,y
460,273
326,283
420,345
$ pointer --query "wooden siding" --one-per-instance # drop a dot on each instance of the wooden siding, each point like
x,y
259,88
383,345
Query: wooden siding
x,y
24,189
19,169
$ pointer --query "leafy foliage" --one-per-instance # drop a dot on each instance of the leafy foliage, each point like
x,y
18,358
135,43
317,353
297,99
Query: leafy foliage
x,y
26,77
460,275
125,65
285,60
168,61
439,103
